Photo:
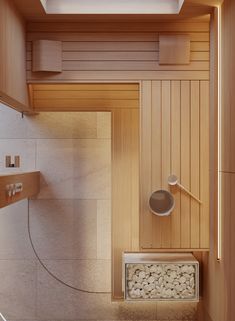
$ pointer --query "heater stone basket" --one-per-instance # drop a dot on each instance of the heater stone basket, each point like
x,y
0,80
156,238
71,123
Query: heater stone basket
x,y
160,277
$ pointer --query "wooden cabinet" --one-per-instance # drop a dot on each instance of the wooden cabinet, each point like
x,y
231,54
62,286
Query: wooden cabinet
x,y
13,89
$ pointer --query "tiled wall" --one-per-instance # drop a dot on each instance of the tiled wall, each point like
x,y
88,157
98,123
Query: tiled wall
x,y
70,223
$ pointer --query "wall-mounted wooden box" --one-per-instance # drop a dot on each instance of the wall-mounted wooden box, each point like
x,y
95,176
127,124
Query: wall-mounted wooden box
x,y
17,186
174,49
47,55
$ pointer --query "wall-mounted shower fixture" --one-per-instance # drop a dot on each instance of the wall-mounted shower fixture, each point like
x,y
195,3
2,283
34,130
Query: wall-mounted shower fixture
x,y
12,189
18,186
173,180
10,163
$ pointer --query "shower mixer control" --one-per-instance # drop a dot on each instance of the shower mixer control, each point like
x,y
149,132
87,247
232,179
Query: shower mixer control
x,y
18,187
13,189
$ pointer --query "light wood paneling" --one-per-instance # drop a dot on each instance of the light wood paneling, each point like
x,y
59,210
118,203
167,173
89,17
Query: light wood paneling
x,y
175,121
73,97
166,157
125,191
72,104
145,163
115,27
113,46
195,161
76,76
219,278
13,90
83,94
185,163
126,65
88,87
176,161
107,36
102,55
204,163
156,157
31,185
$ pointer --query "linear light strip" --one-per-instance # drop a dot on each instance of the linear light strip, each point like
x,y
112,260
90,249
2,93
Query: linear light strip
x,y
219,209
2,317
112,6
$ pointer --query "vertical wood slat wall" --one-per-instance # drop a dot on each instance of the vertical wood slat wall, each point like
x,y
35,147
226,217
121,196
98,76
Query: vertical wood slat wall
x,y
175,140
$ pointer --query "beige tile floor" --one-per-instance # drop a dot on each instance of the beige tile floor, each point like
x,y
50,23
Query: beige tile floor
x,y
70,222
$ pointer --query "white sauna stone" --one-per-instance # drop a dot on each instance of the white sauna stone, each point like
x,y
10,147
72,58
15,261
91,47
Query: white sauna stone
x,y
151,279
161,281
182,279
191,282
153,269
138,286
173,275
135,278
142,274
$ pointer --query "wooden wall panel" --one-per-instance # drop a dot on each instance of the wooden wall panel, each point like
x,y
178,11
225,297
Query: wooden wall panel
x,y
97,54
204,163
166,157
185,163
156,157
13,89
219,278
62,97
81,76
176,161
163,26
106,36
125,190
175,119
146,161
195,162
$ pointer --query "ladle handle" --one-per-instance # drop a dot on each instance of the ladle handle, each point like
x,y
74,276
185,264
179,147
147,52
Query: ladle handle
x,y
187,191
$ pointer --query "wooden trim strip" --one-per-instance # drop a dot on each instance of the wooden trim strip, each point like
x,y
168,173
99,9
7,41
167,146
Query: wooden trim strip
x,y
116,46
75,76
127,66
122,56
85,36
117,27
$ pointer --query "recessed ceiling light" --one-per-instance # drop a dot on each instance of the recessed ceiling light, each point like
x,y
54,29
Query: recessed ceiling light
x,y
112,6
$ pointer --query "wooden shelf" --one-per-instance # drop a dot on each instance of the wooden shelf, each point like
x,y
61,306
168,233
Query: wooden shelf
x,y
29,180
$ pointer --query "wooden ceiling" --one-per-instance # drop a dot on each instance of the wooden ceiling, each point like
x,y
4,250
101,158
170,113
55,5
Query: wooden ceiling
x,y
32,10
